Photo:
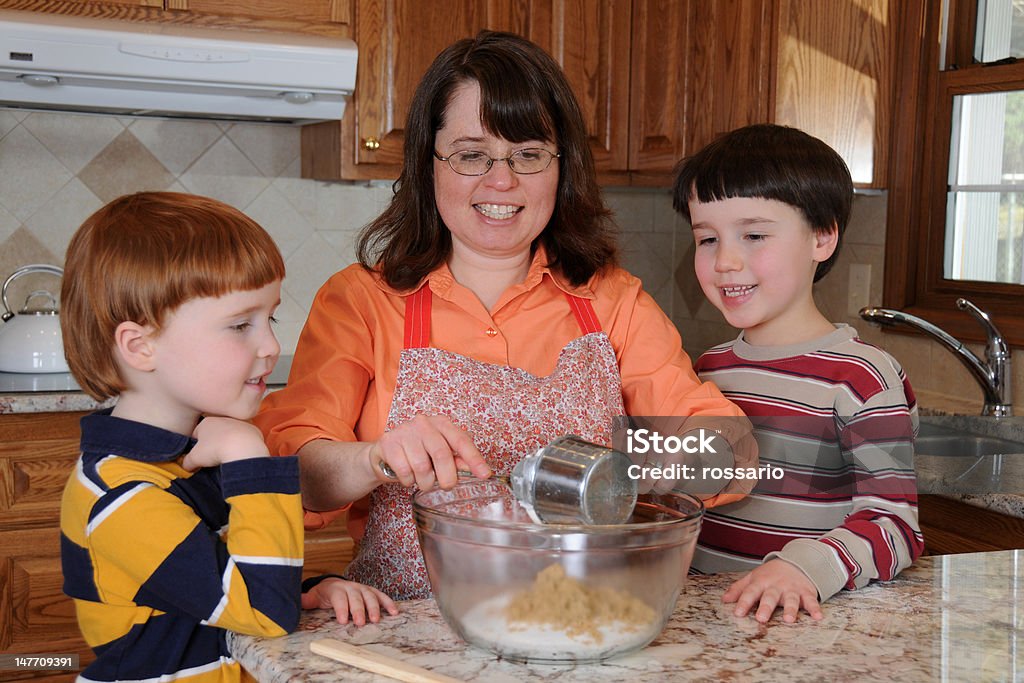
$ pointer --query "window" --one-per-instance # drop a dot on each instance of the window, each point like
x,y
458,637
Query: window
x,y
956,201
985,202
1000,30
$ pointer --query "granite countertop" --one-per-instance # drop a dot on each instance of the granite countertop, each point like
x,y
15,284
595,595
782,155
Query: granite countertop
x,y
955,617
964,479
991,481
58,392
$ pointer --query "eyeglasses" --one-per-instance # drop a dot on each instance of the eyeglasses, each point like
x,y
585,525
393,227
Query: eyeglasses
x,y
522,161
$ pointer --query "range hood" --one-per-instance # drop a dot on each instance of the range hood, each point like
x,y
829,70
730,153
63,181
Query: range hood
x,y
57,62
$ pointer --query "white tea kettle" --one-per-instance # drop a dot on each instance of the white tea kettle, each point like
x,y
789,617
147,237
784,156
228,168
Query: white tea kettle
x,y
30,339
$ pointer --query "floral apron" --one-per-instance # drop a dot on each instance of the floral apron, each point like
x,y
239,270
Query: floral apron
x,y
507,411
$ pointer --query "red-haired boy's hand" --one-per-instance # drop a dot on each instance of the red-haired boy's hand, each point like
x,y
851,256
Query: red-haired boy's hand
x,y
223,439
349,598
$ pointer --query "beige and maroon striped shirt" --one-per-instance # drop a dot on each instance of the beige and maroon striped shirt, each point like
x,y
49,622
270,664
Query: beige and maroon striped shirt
x,y
838,416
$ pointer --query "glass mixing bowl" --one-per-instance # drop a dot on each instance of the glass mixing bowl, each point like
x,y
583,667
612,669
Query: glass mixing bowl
x,y
552,593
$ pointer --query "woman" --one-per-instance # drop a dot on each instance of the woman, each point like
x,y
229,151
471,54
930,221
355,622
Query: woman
x,y
486,316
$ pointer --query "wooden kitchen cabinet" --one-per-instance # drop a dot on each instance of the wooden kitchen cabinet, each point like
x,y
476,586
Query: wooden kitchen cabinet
x,y
108,9
398,39
320,17
38,452
660,45
100,3
826,67
656,79
328,551
698,69
835,78
323,17
592,42
950,526
336,11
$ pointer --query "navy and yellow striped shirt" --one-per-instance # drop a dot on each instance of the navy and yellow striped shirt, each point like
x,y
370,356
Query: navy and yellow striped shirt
x,y
161,562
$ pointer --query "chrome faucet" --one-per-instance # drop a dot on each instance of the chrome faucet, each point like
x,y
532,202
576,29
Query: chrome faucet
x,y
993,374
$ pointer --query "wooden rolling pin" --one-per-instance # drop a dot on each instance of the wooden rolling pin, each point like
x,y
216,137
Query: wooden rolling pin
x,y
368,660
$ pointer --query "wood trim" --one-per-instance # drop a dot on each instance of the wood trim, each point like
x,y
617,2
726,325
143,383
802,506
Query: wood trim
x,y
341,11
960,50
321,147
935,295
885,100
913,279
908,140
1003,300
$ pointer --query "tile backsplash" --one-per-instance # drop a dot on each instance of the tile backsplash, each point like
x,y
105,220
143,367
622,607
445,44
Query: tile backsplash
x,y
56,169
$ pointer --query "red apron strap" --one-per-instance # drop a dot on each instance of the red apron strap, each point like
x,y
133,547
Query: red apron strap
x,y
417,318
584,312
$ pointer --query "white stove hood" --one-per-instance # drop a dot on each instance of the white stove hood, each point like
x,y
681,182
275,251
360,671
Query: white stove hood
x,y
56,62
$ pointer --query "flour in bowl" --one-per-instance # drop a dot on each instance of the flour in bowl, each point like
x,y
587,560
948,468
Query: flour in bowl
x,y
560,619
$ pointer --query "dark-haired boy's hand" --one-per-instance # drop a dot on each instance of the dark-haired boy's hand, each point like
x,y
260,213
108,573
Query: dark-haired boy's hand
x,y
776,583
349,597
223,439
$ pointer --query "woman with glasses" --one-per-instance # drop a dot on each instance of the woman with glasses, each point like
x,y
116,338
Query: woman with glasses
x,y
486,316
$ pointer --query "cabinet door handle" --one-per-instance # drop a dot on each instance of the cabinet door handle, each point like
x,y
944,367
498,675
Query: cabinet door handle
x,y
371,144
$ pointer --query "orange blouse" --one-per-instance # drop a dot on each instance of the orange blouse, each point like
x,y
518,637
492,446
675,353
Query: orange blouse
x,y
343,376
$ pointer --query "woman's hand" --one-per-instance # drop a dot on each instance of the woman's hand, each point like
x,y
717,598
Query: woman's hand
x,y
776,583
427,449
349,597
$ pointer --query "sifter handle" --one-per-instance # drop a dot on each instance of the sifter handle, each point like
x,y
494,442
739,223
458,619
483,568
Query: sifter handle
x,y
389,473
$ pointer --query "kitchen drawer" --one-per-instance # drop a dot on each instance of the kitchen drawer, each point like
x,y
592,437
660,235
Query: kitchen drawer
x,y
32,478
35,616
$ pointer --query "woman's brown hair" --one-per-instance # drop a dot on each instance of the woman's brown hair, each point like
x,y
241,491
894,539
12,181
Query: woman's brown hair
x,y
524,96
140,257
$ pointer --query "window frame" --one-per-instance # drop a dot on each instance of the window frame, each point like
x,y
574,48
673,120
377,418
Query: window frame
x,y
916,217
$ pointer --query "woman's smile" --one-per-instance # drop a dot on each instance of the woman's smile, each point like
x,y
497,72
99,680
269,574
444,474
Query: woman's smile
x,y
498,211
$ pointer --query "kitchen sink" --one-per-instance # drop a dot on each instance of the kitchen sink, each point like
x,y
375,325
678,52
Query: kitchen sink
x,y
946,441
965,455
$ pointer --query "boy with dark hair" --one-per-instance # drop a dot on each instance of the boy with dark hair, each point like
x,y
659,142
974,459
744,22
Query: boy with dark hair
x,y
769,205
